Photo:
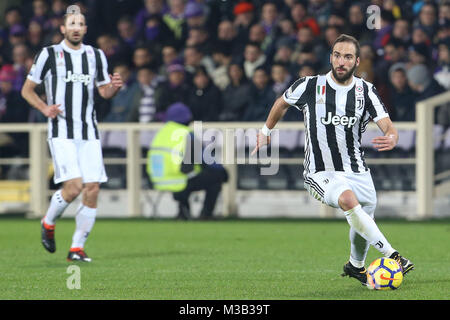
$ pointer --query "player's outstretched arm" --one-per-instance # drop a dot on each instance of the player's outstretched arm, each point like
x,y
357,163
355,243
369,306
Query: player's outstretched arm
x,y
29,94
390,138
277,112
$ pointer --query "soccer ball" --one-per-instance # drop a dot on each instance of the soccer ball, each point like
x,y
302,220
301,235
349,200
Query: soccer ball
x,y
384,274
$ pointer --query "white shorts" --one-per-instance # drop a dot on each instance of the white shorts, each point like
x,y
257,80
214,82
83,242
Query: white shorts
x,y
77,159
327,186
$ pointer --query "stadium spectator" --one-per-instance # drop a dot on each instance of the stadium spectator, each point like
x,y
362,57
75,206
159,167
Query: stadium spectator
x,y
422,82
151,7
306,70
194,57
383,34
195,15
444,12
17,35
307,43
428,19
227,33
175,20
402,102
127,32
59,7
366,68
222,56
442,72
337,19
174,89
127,99
148,80
13,16
13,108
287,29
401,31
156,33
20,54
321,10
300,18
253,58
394,51
244,17
284,53
281,78
169,55
420,36
199,37
357,23
142,57
110,45
35,36
40,11
307,55
236,96
205,99
262,96
419,54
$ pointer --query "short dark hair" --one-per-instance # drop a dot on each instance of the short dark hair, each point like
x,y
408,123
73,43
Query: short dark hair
x,y
347,38
71,14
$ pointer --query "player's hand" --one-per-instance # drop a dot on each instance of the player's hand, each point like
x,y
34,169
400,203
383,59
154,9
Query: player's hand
x,y
116,81
261,140
52,111
384,143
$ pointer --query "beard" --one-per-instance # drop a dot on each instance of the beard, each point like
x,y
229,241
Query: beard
x,y
344,77
73,41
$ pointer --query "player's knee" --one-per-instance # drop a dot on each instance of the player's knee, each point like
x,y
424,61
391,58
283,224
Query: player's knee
x,y
347,200
72,190
92,190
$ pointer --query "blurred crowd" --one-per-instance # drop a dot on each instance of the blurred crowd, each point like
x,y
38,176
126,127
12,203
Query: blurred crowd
x,y
230,60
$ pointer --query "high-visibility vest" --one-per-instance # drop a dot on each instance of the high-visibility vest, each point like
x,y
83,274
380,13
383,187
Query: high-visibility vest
x,y
165,157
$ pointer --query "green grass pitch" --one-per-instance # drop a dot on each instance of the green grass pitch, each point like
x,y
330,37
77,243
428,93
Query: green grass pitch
x,y
230,259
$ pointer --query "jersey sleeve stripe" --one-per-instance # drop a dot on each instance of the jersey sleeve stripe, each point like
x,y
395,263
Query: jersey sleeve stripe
x,y
98,59
310,100
293,95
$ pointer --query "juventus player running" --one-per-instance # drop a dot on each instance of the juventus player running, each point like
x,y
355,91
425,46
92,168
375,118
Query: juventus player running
x,y
337,108
70,69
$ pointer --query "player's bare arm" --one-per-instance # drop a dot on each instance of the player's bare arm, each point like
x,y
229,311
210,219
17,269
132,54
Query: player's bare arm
x,y
111,89
390,138
277,112
29,94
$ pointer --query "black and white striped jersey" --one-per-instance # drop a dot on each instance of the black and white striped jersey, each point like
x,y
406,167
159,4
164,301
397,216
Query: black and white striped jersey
x,y
69,77
335,118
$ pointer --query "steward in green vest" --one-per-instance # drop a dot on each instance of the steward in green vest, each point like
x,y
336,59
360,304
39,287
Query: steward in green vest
x,y
171,167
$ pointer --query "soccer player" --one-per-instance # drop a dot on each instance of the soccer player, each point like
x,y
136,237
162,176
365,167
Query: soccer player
x,y
337,108
70,70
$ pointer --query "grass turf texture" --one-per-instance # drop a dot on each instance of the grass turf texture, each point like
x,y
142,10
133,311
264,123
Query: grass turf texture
x,y
231,259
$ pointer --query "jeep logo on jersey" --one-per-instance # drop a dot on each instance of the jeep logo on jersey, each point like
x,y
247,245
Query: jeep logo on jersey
x,y
339,120
74,77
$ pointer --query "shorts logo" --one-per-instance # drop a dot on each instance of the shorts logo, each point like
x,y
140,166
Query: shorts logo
x,y
326,181
379,244
339,120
